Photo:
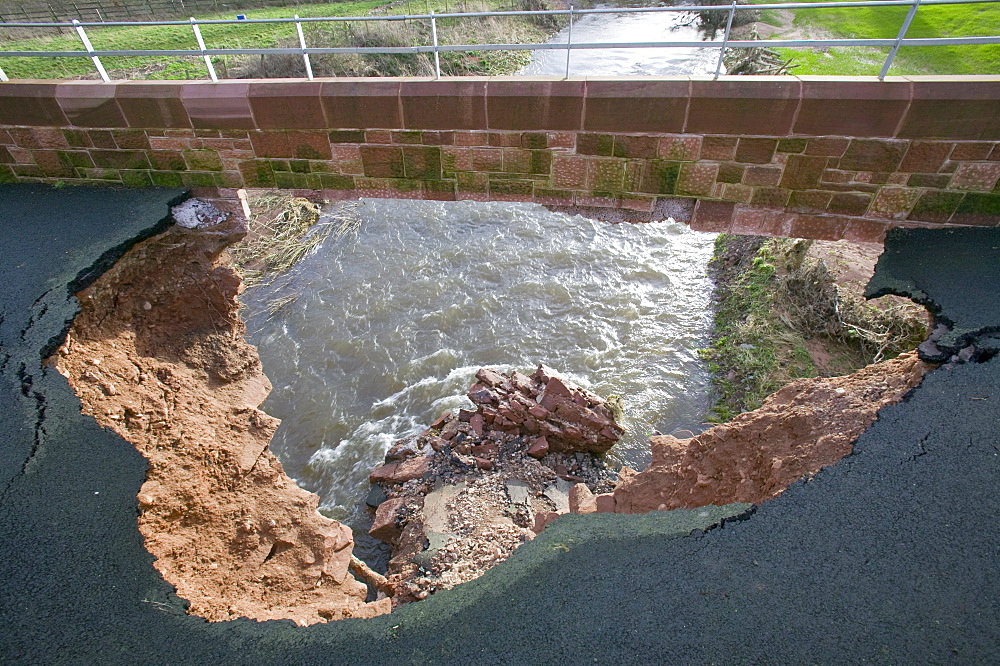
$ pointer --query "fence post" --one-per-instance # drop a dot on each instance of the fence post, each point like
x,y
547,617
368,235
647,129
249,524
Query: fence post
x,y
201,45
302,43
569,40
434,37
899,40
725,40
90,49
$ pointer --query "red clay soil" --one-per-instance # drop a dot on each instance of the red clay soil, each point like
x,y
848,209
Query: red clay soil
x,y
157,354
805,426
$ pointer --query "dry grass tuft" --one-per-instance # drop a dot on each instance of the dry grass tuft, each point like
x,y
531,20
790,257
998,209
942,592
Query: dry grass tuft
x,y
283,229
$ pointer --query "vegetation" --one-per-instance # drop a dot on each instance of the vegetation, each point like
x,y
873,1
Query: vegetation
x,y
258,35
409,33
777,308
282,229
884,23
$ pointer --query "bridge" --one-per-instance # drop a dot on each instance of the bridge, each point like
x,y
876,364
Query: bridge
x,y
811,157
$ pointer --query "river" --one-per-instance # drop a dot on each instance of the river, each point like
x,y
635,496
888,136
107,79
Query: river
x,y
386,325
623,28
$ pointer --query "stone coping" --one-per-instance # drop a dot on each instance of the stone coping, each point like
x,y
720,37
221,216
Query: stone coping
x,y
912,107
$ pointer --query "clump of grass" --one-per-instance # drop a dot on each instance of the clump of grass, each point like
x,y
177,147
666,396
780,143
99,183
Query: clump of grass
x,y
283,229
772,304
742,357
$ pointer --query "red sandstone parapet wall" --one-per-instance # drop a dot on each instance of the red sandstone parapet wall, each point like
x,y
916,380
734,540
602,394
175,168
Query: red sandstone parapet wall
x,y
821,157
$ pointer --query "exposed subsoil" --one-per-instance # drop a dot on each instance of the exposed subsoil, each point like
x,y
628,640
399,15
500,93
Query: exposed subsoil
x,y
157,354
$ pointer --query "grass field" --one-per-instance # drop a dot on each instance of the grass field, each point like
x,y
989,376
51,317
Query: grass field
x,y
980,19
267,35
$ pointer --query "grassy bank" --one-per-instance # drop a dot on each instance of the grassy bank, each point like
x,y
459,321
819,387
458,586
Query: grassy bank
x,y
884,23
783,310
360,34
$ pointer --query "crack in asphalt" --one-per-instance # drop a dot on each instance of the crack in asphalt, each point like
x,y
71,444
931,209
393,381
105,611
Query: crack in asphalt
x,y
36,313
922,445
39,433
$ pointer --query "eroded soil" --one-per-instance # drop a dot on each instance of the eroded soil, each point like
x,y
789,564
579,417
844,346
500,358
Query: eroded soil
x,y
157,354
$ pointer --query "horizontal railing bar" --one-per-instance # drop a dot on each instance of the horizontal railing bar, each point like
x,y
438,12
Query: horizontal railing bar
x,y
746,44
548,12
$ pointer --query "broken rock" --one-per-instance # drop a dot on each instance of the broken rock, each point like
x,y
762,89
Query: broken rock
x,y
401,472
581,499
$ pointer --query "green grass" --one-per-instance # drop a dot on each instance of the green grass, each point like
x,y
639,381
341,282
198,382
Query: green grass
x,y
743,357
251,35
164,37
222,36
883,23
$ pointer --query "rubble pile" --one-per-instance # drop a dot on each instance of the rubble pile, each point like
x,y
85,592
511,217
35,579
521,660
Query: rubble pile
x,y
460,497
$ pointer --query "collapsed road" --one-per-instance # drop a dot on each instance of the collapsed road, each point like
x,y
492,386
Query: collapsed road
x,y
887,556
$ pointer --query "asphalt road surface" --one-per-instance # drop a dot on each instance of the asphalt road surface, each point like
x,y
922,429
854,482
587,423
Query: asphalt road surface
x,y
890,556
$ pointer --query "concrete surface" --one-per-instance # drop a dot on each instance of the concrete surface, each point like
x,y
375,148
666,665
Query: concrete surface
x,y
890,556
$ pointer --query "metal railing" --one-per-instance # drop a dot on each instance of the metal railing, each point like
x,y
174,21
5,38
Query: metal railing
x,y
437,48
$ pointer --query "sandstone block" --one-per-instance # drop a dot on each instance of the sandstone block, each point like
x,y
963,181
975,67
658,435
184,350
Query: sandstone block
x,y
400,472
605,503
581,499
385,527
543,520
539,448
483,395
491,377
476,422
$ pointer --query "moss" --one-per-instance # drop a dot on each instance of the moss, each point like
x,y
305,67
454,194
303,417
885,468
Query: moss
x,y
203,160
136,178
199,179
166,179
662,177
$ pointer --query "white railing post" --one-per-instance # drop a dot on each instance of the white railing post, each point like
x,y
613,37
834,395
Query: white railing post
x,y
201,45
302,43
569,40
434,38
725,40
3,77
90,49
899,40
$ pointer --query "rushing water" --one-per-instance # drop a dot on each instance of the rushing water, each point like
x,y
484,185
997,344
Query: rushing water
x,y
389,323
623,28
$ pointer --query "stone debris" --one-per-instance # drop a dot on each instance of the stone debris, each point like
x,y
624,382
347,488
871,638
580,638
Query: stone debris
x,y
461,517
558,416
469,490
197,214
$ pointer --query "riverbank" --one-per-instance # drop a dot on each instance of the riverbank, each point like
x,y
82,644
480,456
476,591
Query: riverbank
x,y
786,309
